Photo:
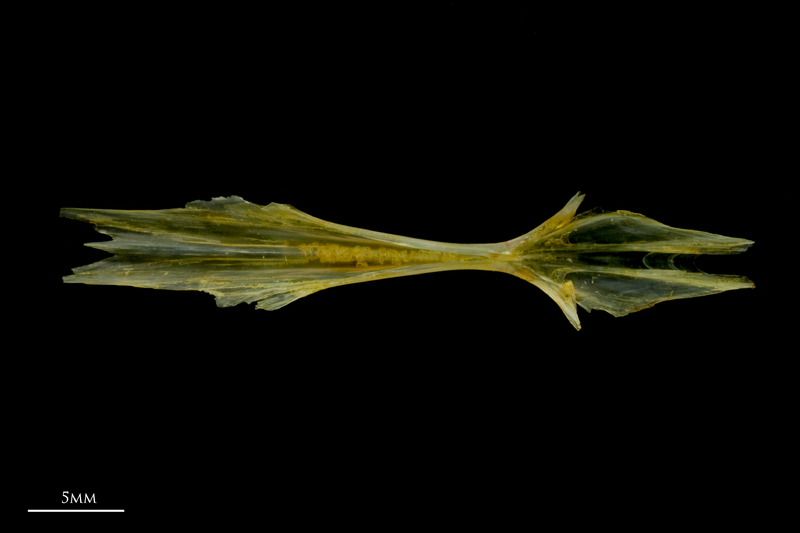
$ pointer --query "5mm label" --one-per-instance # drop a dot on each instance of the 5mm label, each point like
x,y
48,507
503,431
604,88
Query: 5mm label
x,y
68,497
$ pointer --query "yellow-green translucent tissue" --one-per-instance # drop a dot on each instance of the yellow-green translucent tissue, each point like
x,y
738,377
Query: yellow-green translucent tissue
x,y
273,255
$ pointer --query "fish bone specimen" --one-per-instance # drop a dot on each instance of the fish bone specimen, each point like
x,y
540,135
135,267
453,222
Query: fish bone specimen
x,y
618,261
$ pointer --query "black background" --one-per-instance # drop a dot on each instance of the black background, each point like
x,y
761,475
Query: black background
x,y
464,394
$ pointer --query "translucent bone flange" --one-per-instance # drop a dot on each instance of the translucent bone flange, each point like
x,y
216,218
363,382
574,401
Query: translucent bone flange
x,y
619,261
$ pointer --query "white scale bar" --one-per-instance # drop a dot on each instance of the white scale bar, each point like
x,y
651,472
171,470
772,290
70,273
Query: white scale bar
x,y
76,510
